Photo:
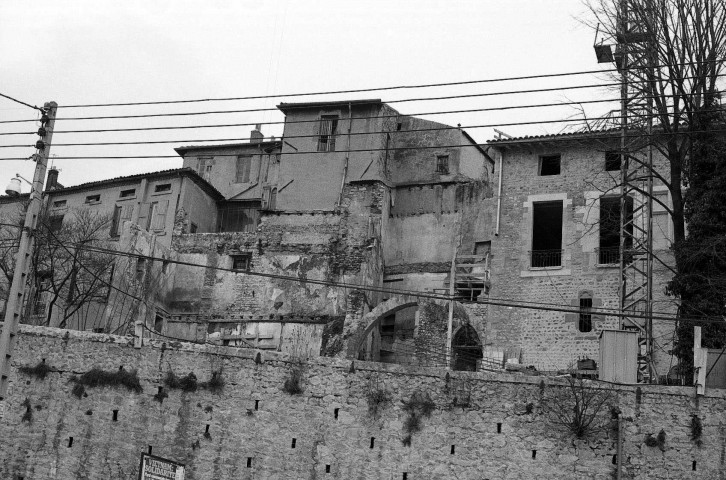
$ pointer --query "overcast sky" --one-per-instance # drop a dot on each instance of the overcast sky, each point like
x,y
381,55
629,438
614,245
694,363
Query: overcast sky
x,y
86,52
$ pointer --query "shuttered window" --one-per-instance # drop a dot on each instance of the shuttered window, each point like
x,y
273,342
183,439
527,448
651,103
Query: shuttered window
x,y
158,219
244,165
328,130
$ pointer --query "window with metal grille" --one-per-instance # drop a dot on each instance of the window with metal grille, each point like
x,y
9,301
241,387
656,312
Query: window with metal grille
x,y
326,135
442,164
131,192
239,217
547,234
612,161
241,261
609,251
585,322
244,166
161,188
549,165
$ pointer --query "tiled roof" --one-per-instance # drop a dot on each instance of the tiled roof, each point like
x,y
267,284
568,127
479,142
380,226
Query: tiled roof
x,y
340,103
605,132
130,178
268,143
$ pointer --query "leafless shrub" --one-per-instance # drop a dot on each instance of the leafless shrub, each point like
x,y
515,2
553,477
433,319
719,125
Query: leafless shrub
x,y
579,406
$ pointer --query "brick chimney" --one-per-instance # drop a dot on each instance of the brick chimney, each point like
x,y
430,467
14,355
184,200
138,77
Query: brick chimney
x,y
256,134
51,181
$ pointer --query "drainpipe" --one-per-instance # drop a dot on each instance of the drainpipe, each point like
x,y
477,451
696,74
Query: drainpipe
x,y
347,153
499,194
619,454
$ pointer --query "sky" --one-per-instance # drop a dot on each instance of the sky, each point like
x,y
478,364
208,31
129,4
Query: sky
x,y
88,52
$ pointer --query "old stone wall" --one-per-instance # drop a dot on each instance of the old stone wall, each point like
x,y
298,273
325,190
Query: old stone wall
x,y
550,339
471,425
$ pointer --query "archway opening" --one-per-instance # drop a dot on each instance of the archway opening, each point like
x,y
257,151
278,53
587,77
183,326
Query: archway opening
x,y
466,348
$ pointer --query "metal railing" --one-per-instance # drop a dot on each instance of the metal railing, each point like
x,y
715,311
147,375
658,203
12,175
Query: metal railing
x,y
608,256
545,258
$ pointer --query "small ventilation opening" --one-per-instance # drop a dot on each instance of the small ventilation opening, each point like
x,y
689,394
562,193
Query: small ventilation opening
x,y
115,415
151,449
453,449
693,466
327,469
499,428
206,430
534,454
373,441
405,476
257,404
615,459
249,462
335,412
70,442
294,441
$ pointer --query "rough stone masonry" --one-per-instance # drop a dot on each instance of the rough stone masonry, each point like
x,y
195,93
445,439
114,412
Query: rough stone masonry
x,y
274,418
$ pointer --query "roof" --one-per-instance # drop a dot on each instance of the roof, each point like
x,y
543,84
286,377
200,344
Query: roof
x,y
284,107
592,134
270,143
186,172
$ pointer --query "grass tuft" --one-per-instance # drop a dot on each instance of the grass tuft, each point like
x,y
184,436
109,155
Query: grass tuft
x,y
41,370
103,378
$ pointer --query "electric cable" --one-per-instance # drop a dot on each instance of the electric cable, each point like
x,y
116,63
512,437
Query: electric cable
x,y
508,303
22,103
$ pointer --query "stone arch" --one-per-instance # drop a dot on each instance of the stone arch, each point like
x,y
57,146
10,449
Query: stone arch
x,y
373,318
467,348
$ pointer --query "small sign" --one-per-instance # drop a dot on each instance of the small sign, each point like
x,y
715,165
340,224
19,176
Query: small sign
x,y
157,468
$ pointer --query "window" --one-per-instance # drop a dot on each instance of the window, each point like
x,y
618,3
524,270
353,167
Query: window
x,y
59,204
93,198
241,262
115,221
326,135
547,234
244,165
442,164
388,325
612,161
164,187
609,252
55,223
584,323
130,193
239,217
204,167
549,165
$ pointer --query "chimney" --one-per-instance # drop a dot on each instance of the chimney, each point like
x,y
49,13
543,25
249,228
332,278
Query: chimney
x,y
51,182
256,135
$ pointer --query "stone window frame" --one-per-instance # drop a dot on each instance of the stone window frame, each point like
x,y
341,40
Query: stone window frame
x,y
541,163
527,219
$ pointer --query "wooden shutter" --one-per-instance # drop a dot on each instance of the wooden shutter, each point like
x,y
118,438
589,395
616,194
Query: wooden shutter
x,y
159,221
115,221
143,215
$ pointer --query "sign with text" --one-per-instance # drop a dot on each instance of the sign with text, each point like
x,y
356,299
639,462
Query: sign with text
x,y
157,468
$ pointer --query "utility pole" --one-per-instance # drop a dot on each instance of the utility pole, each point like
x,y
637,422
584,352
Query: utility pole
x,y
25,251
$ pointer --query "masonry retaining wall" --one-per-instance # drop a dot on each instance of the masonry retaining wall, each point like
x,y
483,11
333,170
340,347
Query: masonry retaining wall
x,y
482,425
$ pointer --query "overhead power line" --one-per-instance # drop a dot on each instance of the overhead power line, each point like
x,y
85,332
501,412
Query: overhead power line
x,y
21,102
379,132
509,303
377,89
609,134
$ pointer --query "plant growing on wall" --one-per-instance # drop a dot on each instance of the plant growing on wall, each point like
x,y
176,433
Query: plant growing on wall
x,y
40,370
657,441
102,378
293,382
378,397
189,382
418,407
578,406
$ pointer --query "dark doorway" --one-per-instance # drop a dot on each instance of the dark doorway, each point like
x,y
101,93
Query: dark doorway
x,y
466,347
547,234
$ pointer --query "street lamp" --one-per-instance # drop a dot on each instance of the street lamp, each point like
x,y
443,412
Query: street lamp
x,y
13,188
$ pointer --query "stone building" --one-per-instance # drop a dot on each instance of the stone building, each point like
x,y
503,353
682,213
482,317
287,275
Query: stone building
x,y
557,243
359,195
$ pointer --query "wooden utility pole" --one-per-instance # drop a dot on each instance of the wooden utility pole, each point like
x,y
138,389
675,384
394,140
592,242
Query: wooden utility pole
x,y
25,251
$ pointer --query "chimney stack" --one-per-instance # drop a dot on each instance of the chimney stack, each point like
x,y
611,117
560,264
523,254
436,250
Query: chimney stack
x,y
51,182
256,134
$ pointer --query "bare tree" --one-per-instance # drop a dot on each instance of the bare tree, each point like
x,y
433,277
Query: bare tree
x,y
674,82
579,406
69,281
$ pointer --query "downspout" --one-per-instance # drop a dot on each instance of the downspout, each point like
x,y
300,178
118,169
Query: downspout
x,y
619,452
347,154
499,194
